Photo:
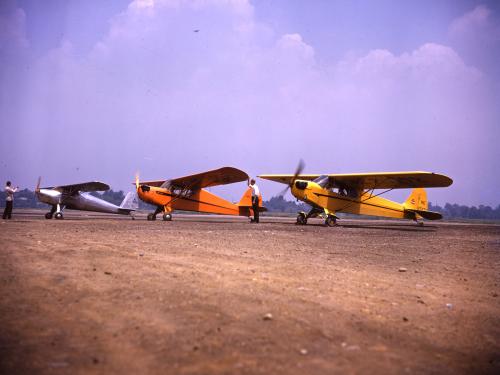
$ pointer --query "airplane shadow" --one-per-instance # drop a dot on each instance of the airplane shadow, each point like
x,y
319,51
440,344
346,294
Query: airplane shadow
x,y
401,228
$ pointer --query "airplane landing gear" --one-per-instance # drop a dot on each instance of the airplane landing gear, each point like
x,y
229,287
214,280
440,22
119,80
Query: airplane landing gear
x,y
152,216
59,216
167,217
330,221
49,214
301,218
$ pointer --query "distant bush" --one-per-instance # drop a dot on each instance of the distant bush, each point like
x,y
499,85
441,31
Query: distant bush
x,y
456,211
27,199
280,204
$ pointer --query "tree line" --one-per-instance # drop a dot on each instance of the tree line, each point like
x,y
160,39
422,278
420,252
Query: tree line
x,y
449,211
27,199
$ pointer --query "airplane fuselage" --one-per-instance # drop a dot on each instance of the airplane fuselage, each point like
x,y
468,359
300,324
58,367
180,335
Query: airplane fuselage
x,y
199,201
79,201
359,203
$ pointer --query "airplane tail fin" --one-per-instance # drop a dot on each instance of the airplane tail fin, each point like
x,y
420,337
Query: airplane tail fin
x,y
417,206
130,202
246,200
417,200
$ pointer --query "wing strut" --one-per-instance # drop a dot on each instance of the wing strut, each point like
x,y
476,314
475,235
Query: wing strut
x,y
366,199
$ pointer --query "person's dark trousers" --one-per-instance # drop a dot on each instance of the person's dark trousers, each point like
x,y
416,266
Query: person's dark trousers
x,y
255,208
7,213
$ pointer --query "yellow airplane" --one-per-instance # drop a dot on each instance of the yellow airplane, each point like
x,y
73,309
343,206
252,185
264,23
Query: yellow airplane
x,y
329,194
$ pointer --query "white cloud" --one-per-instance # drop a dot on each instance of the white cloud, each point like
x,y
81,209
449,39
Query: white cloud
x,y
475,20
12,29
476,37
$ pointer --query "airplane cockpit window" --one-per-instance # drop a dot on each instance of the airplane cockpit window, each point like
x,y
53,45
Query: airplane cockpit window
x,y
322,181
348,191
352,193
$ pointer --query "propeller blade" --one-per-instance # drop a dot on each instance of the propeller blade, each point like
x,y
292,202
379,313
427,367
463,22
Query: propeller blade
x,y
298,171
137,180
284,191
37,189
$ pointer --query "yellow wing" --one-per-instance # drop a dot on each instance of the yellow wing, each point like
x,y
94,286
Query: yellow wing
x,y
378,180
221,176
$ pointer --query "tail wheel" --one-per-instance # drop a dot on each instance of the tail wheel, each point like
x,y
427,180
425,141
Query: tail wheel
x,y
59,216
151,217
167,217
330,221
301,218
48,215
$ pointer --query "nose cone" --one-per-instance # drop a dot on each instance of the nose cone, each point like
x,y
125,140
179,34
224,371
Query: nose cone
x,y
301,185
299,188
143,191
48,196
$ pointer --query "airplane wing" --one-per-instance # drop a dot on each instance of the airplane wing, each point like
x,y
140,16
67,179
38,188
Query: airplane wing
x,y
368,181
85,186
156,183
221,176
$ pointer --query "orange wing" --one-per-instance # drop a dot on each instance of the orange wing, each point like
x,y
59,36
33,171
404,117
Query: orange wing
x,y
221,176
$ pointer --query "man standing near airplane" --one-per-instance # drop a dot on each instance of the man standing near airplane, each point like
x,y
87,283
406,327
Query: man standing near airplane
x,y
255,200
9,200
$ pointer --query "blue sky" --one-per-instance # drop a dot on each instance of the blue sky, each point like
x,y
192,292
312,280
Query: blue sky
x,y
101,89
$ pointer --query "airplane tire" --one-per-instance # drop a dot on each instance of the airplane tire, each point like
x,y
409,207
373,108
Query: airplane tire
x,y
167,217
301,218
330,221
151,217
59,216
48,215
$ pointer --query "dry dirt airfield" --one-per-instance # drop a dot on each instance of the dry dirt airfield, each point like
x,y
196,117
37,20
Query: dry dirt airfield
x,y
217,295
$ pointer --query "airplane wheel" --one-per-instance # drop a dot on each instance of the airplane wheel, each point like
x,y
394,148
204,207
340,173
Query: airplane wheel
x,y
167,217
330,221
301,218
151,217
48,215
59,216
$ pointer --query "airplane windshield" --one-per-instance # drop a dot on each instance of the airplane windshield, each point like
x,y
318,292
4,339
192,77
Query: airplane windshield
x,y
322,181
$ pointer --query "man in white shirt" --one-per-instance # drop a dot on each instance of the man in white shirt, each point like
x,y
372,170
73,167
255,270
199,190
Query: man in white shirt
x,y
7,213
255,200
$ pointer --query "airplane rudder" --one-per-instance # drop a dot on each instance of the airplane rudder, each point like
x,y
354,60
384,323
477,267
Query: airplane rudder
x,y
246,199
417,200
130,201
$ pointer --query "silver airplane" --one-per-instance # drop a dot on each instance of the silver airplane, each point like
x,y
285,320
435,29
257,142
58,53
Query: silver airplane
x,y
77,197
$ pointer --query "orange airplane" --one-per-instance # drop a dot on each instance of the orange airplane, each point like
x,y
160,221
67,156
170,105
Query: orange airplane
x,y
188,194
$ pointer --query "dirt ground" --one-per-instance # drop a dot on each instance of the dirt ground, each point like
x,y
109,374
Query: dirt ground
x,y
198,295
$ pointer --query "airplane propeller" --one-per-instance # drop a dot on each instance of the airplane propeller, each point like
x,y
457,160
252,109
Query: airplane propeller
x,y
37,189
137,180
298,171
